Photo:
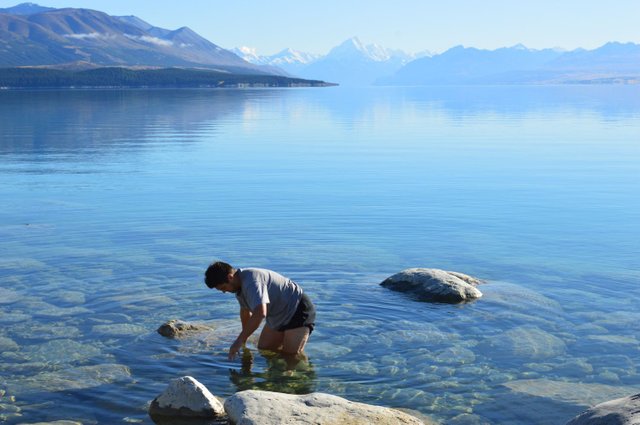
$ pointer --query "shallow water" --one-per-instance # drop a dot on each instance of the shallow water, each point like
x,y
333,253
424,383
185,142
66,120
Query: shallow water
x,y
114,202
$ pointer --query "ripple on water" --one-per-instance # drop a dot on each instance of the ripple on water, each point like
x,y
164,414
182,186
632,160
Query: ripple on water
x,y
44,309
69,378
327,350
58,351
70,297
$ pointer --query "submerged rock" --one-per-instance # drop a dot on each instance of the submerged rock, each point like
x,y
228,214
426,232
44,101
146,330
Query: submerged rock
x,y
435,285
527,342
622,411
186,397
582,394
8,296
7,344
178,328
254,407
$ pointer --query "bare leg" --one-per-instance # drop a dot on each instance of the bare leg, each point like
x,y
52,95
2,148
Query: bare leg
x,y
270,339
295,340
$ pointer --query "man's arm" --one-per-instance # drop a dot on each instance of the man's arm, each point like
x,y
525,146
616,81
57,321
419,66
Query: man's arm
x,y
250,322
245,314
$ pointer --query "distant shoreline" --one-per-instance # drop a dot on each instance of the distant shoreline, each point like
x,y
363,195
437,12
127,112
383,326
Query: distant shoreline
x,y
121,78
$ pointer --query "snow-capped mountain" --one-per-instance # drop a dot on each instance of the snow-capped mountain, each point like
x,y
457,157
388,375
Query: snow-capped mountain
x,y
290,56
350,63
285,57
292,62
249,54
354,48
354,63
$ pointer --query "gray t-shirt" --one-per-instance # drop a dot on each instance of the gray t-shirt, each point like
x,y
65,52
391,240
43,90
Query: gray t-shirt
x,y
261,286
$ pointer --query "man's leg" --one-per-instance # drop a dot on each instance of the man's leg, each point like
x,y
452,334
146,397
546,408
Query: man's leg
x,y
270,339
295,340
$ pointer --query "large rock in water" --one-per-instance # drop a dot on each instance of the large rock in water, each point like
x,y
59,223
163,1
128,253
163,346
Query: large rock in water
x,y
178,328
186,397
254,407
622,411
435,285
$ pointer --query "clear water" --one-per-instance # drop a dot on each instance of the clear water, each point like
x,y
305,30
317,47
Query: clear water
x,y
114,202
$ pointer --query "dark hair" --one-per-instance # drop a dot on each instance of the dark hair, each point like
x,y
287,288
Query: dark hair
x,y
217,274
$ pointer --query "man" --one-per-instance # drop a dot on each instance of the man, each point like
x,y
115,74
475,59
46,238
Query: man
x,y
265,294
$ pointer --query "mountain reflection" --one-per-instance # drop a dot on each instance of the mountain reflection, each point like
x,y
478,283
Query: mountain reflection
x,y
72,122
81,121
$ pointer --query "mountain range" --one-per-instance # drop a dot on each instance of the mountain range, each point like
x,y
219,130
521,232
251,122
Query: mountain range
x,y
611,63
31,35
350,63
76,39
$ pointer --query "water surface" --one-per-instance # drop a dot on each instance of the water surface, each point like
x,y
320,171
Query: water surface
x,y
114,203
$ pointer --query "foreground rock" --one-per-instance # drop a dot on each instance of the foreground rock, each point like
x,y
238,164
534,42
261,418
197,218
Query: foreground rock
x,y
178,328
622,411
254,407
186,397
435,285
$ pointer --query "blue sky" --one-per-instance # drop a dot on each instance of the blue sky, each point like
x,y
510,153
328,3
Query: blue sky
x,y
411,25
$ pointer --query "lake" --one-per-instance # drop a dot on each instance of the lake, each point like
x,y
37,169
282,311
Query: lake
x,y
115,202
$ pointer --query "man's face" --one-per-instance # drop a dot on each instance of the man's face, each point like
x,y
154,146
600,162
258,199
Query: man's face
x,y
230,285
225,287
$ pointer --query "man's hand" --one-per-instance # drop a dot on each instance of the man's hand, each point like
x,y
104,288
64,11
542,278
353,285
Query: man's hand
x,y
235,348
251,322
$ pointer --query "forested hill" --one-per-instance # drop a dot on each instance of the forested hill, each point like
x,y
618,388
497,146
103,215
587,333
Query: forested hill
x,y
123,77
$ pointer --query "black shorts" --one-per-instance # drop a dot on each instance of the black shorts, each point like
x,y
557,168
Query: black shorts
x,y
305,315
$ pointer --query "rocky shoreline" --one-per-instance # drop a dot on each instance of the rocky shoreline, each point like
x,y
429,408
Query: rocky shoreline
x,y
185,397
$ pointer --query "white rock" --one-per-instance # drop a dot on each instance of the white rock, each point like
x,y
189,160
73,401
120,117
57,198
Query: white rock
x,y
435,284
186,396
254,407
622,411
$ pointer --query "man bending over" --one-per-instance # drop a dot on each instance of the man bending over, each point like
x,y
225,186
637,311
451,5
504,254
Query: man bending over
x,y
265,294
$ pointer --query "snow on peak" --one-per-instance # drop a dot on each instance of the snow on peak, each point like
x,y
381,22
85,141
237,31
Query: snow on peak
x,y
373,52
250,54
286,56
292,56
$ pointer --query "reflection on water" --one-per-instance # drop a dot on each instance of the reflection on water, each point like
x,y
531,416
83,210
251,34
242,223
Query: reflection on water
x,y
282,373
114,202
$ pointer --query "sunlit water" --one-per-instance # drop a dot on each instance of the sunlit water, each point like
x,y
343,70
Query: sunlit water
x,y
114,202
